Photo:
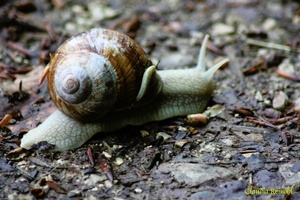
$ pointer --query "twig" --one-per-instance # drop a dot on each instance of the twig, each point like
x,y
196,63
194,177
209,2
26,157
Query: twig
x,y
269,45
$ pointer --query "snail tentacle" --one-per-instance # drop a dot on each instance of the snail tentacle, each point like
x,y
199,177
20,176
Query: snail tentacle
x,y
201,59
145,82
211,71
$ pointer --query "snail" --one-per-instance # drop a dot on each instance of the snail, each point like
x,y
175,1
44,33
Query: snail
x,y
101,81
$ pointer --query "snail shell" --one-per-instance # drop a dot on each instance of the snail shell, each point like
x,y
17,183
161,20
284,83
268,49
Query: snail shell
x,y
100,71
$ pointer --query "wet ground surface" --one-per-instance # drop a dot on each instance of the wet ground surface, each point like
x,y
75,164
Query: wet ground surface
x,y
248,150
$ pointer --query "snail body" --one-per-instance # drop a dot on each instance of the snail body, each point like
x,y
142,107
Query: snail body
x,y
136,94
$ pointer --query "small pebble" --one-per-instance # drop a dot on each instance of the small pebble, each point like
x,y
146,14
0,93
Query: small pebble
x,y
280,101
269,24
99,12
181,128
214,111
94,179
255,137
272,113
287,66
74,193
106,154
138,190
248,155
228,142
222,29
228,156
164,135
108,184
259,96
119,161
181,143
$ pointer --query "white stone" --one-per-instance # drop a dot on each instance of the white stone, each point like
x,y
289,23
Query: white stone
x,y
222,29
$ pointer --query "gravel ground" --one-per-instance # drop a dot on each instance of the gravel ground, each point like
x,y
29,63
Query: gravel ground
x,y
249,147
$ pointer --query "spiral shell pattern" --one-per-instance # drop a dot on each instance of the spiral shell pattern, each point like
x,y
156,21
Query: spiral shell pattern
x,y
97,72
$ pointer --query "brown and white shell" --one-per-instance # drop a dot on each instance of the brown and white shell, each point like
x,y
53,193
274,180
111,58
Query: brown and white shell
x,y
97,72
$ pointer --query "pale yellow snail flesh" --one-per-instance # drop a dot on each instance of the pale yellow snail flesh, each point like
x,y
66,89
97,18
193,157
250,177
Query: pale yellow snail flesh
x,y
184,91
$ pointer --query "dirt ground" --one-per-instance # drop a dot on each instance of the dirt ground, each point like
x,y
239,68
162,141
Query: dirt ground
x,y
249,149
